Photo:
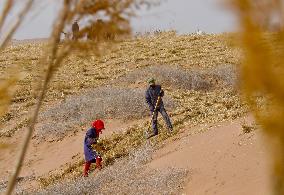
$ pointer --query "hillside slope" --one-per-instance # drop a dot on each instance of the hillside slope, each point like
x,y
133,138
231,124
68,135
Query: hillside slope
x,y
199,76
222,160
208,159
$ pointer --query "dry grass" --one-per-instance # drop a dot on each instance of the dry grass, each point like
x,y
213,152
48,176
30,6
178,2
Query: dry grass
x,y
105,102
177,77
248,128
118,23
85,87
197,108
126,103
127,176
113,148
85,71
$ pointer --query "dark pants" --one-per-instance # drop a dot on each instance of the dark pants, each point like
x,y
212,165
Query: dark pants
x,y
166,118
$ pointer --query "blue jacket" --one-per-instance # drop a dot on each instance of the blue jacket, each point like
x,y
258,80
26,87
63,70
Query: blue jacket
x,y
90,138
151,96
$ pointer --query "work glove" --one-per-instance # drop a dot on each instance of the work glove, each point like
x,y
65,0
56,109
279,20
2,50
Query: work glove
x,y
162,93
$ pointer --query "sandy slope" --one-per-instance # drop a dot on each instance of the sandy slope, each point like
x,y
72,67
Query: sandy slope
x,y
221,160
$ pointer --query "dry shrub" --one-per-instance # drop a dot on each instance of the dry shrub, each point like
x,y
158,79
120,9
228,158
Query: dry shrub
x,y
168,76
126,176
176,77
104,102
248,128
227,74
262,38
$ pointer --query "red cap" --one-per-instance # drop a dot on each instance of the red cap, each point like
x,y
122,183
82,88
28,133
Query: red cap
x,y
98,125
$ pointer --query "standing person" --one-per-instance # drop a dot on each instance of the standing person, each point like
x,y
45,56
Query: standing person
x,y
91,138
75,30
152,94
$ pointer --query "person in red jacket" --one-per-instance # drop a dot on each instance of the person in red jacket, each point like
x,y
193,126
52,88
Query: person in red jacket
x,y
91,138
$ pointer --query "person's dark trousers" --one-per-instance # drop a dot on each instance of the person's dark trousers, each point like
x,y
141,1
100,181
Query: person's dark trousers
x,y
166,118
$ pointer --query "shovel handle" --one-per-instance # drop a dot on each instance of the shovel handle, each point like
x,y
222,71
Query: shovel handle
x,y
155,109
157,103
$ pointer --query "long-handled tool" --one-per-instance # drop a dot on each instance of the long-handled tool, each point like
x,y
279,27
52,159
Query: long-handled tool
x,y
155,110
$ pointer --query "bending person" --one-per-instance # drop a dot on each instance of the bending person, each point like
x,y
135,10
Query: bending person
x,y
91,138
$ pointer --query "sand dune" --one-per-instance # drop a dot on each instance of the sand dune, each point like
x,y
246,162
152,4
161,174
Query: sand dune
x,y
221,160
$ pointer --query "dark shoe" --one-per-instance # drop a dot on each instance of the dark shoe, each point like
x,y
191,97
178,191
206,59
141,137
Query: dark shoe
x,y
171,130
151,135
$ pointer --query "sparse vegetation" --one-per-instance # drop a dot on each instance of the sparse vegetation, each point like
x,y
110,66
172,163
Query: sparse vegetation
x,y
195,94
198,72
118,23
248,128
119,69
176,77
105,102
129,175
197,108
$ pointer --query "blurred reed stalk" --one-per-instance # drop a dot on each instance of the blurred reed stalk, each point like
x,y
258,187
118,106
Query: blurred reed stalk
x,y
262,38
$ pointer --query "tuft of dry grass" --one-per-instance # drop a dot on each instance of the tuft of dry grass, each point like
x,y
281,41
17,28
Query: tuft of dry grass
x,y
248,128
